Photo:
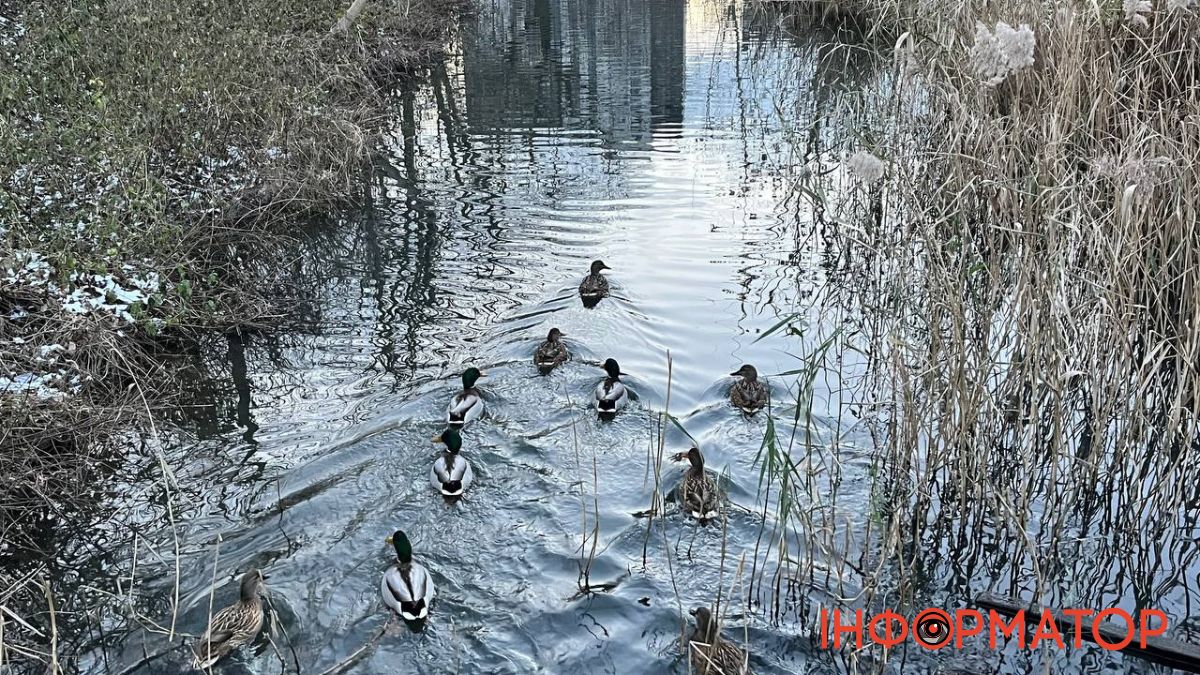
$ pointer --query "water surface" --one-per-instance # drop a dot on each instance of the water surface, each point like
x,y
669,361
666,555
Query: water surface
x,y
657,135
645,134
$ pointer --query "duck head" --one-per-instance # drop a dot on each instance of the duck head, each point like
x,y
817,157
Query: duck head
x,y
747,372
470,376
399,541
450,438
693,456
597,266
612,368
554,335
704,623
252,582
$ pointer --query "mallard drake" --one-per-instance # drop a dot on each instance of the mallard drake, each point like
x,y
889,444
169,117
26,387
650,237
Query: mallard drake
x,y
594,285
552,352
467,405
748,394
711,654
233,626
698,494
406,587
611,394
451,473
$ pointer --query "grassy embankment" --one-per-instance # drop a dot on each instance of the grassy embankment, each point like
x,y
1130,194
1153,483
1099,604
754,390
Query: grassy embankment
x,y
154,158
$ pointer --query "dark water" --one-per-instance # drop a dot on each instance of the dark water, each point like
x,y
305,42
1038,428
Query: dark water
x,y
660,136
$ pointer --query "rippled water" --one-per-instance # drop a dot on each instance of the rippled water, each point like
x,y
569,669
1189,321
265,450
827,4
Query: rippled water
x,y
646,134
653,134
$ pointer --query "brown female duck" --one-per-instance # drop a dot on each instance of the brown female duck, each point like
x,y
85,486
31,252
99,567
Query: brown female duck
x,y
233,626
711,654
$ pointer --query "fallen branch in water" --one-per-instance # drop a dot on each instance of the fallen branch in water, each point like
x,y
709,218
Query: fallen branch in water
x,y
1158,649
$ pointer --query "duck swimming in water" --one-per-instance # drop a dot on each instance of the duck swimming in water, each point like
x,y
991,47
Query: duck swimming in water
x,y
406,587
233,626
594,286
551,353
748,394
451,473
711,654
698,494
467,405
611,394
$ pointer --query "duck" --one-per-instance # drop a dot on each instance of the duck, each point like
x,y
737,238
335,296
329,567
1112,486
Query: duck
x,y
611,394
698,494
711,654
748,394
552,352
406,587
594,285
451,473
467,405
233,626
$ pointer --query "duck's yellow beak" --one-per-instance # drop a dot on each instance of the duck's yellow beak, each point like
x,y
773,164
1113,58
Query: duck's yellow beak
x,y
437,439
389,539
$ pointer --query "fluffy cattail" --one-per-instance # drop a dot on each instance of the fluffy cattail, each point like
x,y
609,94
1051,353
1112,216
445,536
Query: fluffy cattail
x,y
1000,53
866,166
1136,11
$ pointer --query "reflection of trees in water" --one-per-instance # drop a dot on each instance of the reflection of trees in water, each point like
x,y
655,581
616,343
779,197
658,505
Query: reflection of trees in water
x,y
613,66
794,75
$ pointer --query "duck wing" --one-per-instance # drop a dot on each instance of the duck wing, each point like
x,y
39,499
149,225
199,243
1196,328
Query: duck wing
x,y
229,629
451,474
407,595
699,496
749,397
718,658
593,284
550,354
610,394
466,406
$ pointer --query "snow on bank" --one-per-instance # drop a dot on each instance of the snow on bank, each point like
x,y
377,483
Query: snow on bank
x,y
29,286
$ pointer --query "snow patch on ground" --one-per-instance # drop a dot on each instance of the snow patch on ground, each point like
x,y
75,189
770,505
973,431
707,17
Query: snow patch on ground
x,y
87,293
53,385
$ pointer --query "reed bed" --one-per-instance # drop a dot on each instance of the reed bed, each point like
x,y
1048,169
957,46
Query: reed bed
x,y
1014,230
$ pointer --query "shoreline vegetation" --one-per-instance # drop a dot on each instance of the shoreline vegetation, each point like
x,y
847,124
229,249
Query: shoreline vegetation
x,y
155,161
1019,220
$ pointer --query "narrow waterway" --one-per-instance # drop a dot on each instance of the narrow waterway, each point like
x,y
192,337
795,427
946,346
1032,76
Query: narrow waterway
x,y
661,136
646,134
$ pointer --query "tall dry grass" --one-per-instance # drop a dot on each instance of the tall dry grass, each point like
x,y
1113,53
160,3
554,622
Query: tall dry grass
x,y
1024,280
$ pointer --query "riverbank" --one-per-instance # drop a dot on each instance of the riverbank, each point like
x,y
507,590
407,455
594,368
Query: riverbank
x,y
156,160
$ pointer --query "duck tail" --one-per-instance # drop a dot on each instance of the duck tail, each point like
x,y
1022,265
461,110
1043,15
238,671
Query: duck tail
x,y
411,611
